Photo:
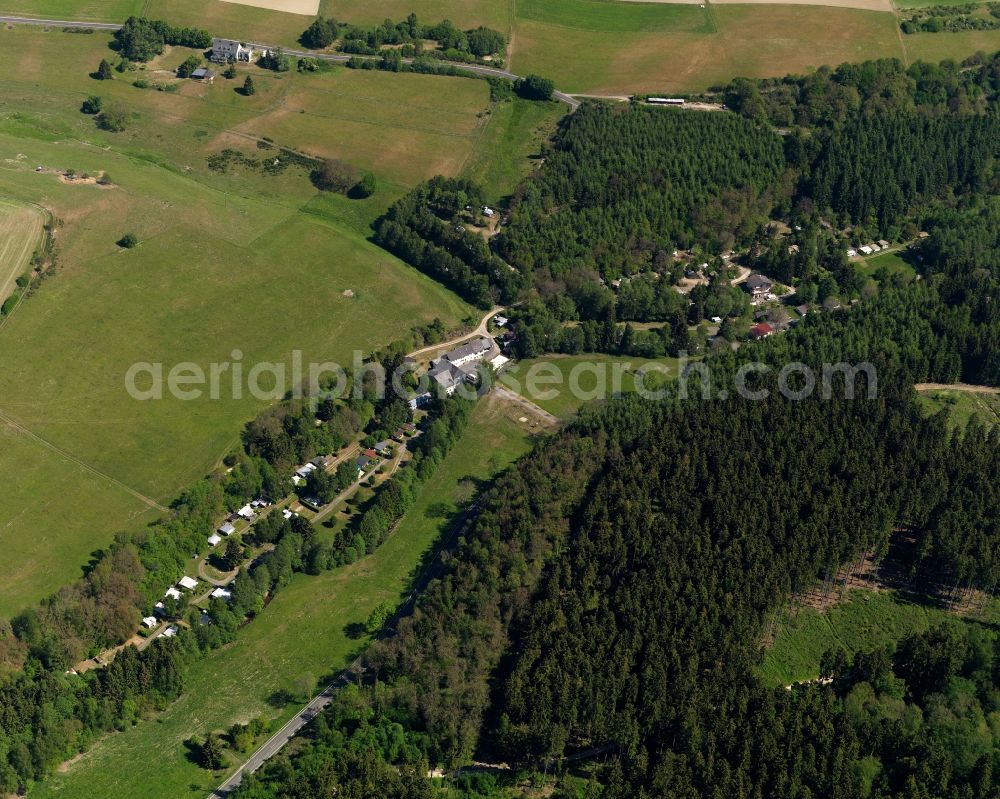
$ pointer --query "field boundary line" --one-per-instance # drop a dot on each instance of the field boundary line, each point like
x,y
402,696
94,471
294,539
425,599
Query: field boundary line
x,y
152,503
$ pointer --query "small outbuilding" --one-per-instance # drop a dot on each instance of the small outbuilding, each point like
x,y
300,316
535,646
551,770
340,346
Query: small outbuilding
x,y
188,583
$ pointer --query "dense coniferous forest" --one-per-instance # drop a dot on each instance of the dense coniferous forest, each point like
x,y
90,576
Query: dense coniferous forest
x,y
873,147
611,596
626,568
622,188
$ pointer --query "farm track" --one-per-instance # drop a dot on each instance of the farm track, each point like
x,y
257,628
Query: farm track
x,y
957,387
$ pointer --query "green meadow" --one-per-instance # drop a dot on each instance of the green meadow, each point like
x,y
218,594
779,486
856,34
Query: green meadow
x,y
565,383
893,262
962,406
228,261
864,621
596,46
299,640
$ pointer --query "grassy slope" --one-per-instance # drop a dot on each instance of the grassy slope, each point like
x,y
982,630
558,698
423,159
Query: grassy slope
x,y
226,261
595,376
686,51
865,621
45,496
88,10
513,136
20,233
939,46
301,634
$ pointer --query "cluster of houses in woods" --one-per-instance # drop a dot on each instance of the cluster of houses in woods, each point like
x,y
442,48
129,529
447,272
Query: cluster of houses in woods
x,y
250,512
369,459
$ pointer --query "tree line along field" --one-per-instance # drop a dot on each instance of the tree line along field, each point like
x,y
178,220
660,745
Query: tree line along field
x,y
226,260
20,233
300,640
597,46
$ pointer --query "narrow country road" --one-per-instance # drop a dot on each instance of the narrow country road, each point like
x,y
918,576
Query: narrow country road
x,y
277,741
336,58
481,330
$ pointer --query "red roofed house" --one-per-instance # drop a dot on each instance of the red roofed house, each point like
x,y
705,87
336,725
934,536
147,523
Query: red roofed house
x,y
762,330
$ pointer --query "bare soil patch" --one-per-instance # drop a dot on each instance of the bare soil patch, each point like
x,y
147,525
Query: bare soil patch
x,y
304,7
864,5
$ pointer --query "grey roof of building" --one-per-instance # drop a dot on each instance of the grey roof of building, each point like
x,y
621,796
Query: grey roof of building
x,y
476,347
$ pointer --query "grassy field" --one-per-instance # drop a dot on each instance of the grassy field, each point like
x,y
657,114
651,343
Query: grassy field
x,y
865,621
602,16
962,406
687,51
403,127
935,47
506,148
47,501
596,46
893,262
20,233
87,10
564,383
240,260
300,637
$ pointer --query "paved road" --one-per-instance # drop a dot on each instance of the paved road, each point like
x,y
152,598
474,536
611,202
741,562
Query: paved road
x,y
477,69
276,742
62,23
